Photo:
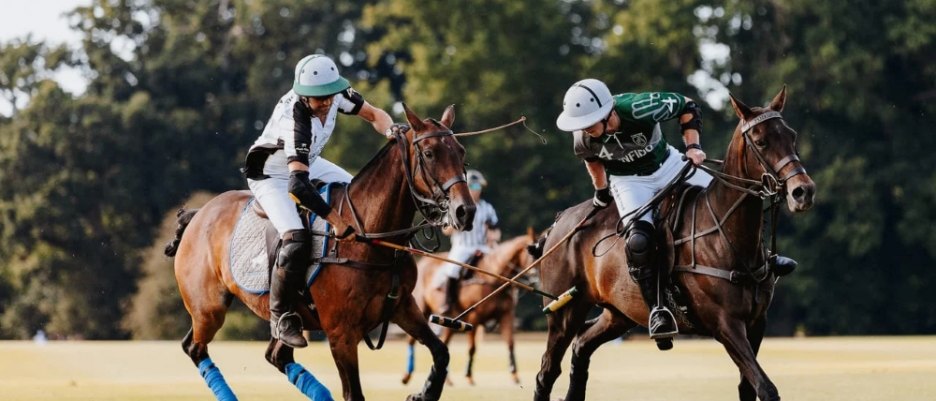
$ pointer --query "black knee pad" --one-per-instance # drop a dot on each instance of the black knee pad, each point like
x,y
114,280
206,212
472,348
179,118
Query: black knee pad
x,y
296,251
639,245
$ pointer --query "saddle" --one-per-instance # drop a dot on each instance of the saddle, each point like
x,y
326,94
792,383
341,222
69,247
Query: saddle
x,y
255,245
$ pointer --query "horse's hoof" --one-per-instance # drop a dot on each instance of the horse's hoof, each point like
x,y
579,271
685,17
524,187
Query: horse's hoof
x,y
448,381
516,379
665,344
416,397
470,380
406,378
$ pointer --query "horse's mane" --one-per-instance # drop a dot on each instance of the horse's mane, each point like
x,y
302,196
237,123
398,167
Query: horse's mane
x,y
386,148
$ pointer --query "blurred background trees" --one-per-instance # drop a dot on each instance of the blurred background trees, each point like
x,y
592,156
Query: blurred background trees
x,y
178,90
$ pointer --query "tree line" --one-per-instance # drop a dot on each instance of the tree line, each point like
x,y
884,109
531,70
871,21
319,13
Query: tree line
x,y
178,90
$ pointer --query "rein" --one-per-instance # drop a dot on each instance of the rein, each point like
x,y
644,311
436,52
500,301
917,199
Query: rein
x,y
771,187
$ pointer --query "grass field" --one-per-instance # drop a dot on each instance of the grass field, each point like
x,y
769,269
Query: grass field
x,y
828,369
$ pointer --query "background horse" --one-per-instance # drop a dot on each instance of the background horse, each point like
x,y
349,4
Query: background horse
x,y
426,163
505,259
720,239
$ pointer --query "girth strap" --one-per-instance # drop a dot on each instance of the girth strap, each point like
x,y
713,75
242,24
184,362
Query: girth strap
x,y
386,312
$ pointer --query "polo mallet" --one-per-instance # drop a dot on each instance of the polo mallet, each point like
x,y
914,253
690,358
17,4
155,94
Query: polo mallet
x,y
557,303
464,265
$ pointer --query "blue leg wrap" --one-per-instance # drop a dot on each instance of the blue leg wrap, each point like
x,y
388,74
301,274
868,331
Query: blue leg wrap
x,y
410,360
306,383
215,380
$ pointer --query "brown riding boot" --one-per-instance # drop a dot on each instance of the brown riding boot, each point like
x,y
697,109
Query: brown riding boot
x,y
452,288
293,260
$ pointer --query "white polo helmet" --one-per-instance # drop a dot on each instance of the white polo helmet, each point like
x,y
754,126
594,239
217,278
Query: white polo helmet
x,y
317,75
475,176
585,103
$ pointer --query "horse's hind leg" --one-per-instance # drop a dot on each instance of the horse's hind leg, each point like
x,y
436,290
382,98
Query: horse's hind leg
x,y
472,343
733,335
205,324
563,325
755,334
507,331
609,326
411,320
410,359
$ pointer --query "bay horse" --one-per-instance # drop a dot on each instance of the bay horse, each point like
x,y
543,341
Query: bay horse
x,y
421,170
721,268
505,259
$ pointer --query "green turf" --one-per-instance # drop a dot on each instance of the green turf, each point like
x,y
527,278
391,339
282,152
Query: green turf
x,y
827,369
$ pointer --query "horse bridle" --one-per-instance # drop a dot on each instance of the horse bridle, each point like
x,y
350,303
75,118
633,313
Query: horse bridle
x,y
432,209
771,180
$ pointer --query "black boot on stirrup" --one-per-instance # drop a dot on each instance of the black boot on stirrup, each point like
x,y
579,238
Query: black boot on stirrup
x,y
639,247
782,265
285,323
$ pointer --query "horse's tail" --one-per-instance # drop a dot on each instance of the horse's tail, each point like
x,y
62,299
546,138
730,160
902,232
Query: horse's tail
x,y
183,217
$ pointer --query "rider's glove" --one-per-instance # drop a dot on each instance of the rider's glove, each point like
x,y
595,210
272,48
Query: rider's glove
x,y
302,192
602,198
396,128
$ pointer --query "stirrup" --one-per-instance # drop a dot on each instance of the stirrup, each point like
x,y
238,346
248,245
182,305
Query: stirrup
x,y
286,323
660,331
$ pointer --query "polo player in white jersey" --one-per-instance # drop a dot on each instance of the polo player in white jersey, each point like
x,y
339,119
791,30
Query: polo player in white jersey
x,y
281,164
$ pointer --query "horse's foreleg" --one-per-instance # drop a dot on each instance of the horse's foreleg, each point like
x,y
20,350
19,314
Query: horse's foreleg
x,y
563,325
472,336
755,334
507,331
281,356
410,360
344,349
608,327
411,320
733,335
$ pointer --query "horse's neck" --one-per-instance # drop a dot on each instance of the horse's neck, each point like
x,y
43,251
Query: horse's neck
x,y
743,225
380,194
499,258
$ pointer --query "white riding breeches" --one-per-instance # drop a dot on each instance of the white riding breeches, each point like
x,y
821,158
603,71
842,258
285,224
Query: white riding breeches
x,y
461,254
273,192
633,191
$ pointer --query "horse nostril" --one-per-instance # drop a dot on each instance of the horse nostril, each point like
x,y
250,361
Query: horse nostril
x,y
798,193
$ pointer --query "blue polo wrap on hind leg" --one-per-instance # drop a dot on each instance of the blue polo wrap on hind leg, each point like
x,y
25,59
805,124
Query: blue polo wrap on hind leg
x,y
215,381
306,383
410,360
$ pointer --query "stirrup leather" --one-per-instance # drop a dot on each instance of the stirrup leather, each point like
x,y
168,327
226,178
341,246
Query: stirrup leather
x,y
660,331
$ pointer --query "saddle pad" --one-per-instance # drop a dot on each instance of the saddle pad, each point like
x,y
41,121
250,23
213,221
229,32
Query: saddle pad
x,y
250,261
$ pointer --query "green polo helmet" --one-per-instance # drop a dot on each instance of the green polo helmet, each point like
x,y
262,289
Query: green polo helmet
x,y
317,75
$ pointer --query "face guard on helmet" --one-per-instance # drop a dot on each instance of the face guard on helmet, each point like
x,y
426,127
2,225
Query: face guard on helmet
x,y
585,103
317,76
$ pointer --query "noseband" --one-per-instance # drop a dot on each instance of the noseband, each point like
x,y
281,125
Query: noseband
x,y
771,179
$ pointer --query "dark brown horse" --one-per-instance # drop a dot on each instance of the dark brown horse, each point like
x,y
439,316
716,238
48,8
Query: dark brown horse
x,y
720,260
420,170
505,259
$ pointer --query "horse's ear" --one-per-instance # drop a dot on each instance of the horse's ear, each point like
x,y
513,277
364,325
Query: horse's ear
x,y
778,101
741,109
414,121
531,233
448,116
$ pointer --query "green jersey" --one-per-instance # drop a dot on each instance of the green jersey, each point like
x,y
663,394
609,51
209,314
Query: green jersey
x,y
638,147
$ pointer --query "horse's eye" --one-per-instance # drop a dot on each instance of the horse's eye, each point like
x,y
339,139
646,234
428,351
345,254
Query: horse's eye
x,y
427,154
761,143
